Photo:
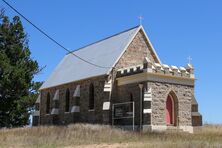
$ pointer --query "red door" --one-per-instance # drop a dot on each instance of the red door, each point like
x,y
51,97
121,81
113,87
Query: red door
x,y
169,111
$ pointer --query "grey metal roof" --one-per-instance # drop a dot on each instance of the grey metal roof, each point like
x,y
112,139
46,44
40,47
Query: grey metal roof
x,y
104,53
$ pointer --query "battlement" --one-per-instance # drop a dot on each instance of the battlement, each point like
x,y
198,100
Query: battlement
x,y
157,68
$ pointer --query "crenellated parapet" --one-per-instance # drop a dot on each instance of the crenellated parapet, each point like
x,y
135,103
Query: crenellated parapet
x,y
158,69
130,70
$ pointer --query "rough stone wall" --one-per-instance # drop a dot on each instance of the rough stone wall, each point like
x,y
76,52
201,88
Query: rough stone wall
x,y
136,52
99,95
160,92
94,116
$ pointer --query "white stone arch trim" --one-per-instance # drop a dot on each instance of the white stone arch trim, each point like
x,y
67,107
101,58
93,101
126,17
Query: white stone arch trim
x,y
170,91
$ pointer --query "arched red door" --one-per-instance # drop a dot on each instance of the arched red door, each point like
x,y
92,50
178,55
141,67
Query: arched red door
x,y
169,110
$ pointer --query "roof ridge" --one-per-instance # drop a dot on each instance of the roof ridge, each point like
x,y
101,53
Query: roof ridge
x,y
103,39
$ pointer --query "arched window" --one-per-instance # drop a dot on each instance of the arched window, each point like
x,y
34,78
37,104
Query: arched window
x,y
48,104
91,96
67,100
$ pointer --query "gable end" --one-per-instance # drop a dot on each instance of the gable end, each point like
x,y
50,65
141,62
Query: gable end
x,y
139,48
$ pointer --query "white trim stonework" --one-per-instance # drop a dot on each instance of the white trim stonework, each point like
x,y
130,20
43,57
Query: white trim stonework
x,y
77,91
148,99
188,129
56,96
136,78
75,109
162,128
108,86
55,111
146,111
158,128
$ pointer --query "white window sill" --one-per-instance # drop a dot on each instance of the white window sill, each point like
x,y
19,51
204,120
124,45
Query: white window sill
x,y
91,110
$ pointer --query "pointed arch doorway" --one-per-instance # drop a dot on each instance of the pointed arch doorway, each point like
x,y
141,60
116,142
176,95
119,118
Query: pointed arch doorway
x,y
171,108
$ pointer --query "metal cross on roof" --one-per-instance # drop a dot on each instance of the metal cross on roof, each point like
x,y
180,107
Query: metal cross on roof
x,y
189,59
140,19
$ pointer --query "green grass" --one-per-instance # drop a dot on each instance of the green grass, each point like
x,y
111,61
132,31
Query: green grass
x,y
86,135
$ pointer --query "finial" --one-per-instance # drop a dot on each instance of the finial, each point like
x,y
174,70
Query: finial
x,y
189,60
140,19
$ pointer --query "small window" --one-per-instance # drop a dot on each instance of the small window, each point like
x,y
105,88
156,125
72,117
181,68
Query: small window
x,y
48,104
67,100
91,96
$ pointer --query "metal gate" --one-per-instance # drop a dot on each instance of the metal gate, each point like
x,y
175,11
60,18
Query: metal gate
x,y
125,110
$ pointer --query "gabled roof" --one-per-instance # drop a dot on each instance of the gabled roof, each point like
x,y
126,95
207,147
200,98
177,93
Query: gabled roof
x,y
105,53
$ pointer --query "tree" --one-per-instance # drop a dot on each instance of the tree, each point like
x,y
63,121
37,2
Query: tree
x,y
17,69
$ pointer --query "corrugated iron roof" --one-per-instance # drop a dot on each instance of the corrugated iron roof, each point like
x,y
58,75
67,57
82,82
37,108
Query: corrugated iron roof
x,y
104,53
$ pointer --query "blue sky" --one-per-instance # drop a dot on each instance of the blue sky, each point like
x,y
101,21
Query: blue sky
x,y
177,29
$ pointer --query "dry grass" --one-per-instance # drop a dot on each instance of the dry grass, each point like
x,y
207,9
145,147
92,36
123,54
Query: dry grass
x,y
100,136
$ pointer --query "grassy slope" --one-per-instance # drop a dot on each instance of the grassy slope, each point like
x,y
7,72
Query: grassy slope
x,y
86,135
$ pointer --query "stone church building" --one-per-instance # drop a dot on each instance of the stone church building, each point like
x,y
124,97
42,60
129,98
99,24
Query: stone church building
x,y
126,69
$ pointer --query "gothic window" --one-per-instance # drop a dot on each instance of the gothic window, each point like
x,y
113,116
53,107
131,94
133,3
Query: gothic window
x,y
91,96
48,104
67,100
